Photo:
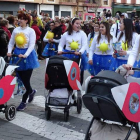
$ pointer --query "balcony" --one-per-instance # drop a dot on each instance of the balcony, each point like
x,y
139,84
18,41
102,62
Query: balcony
x,y
68,2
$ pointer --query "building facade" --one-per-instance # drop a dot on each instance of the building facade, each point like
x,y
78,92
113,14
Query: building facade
x,y
61,8
126,6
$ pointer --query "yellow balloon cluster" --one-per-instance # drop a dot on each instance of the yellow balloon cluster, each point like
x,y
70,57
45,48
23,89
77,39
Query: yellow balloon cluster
x,y
50,35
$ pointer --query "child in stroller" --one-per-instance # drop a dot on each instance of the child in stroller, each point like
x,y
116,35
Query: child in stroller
x,y
7,85
63,78
99,100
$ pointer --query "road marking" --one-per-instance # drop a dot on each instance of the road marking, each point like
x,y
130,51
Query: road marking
x,y
45,128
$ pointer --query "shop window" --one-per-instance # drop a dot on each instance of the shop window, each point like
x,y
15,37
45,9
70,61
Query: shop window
x,y
105,2
56,13
5,14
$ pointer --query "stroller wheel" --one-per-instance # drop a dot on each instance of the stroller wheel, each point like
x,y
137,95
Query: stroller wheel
x,y
66,116
10,112
79,104
47,113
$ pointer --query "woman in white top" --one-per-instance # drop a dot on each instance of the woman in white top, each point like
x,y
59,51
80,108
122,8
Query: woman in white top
x,y
126,38
100,53
75,41
52,42
133,55
24,37
94,33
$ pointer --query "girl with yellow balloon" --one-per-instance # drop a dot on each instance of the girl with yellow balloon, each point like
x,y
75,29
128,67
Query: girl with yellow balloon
x,y
94,32
100,52
52,42
24,37
74,40
126,39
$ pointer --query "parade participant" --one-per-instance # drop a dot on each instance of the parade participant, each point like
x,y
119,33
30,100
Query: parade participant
x,y
100,53
24,37
52,39
94,33
133,54
75,41
126,38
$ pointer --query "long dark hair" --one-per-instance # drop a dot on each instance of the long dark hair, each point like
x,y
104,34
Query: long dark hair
x,y
70,29
129,29
108,35
91,28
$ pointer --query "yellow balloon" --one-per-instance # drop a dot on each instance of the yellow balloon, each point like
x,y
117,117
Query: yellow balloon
x,y
50,35
124,46
74,45
19,40
103,47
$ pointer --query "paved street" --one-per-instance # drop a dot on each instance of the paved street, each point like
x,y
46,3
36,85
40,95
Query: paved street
x,y
31,123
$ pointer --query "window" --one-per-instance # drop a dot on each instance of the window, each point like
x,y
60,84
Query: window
x,y
51,0
105,2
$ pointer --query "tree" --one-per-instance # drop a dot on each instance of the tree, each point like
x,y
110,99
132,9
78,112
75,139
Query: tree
x,y
98,4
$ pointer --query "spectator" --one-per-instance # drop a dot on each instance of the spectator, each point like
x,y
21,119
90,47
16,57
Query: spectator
x,y
16,22
137,25
38,40
4,39
103,14
63,26
41,16
133,14
39,22
4,25
108,15
11,26
57,30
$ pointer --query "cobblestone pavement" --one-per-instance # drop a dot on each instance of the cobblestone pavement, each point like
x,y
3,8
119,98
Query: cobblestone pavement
x,y
31,124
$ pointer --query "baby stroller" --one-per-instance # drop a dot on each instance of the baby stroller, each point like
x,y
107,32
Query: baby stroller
x,y
7,85
62,75
99,100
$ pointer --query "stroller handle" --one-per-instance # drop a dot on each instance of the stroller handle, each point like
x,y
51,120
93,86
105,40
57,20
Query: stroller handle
x,y
68,53
14,55
137,69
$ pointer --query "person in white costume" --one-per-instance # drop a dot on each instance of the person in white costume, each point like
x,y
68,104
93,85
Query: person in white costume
x,y
74,40
91,36
100,53
133,55
24,37
126,39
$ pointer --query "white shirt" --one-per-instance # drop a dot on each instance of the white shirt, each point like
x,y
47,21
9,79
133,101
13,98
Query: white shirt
x,y
29,39
95,46
113,29
79,37
122,40
46,40
135,51
89,41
